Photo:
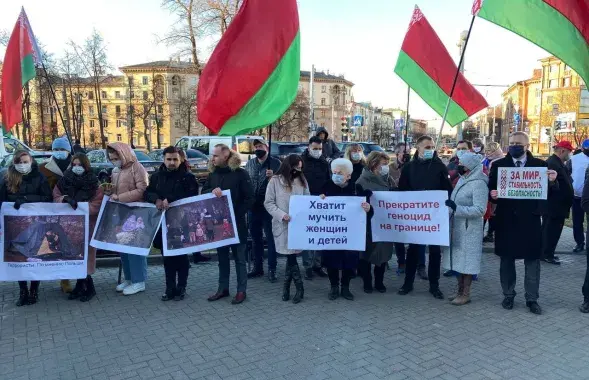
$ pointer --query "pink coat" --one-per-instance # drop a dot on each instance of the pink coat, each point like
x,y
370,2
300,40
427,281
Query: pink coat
x,y
129,181
94,208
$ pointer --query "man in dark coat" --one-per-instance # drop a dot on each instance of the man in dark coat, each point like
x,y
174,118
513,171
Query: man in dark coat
x,y
260,169
585,205
425,172
317,174
559,202
226,174
330,149
171,183
519,226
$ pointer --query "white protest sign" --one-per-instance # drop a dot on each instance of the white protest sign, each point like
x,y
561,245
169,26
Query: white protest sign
x,y
415,217
335,223
523,183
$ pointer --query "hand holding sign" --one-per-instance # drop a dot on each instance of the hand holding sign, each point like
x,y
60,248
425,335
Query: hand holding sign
x,y
552,174
494,194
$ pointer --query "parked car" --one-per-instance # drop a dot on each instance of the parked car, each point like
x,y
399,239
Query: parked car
x,y
103,167
244,145
367,147
282,149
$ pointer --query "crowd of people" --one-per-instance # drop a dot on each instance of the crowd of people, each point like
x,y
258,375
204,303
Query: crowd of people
x,y
261,193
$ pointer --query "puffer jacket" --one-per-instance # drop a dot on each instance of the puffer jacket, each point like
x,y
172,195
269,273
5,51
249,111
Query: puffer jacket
x,y
257,173
33,188
171,185
130,180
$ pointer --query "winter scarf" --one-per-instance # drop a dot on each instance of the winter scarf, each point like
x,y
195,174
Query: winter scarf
x,y
82,188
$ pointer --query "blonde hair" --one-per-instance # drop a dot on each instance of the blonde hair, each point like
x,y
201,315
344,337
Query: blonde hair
x,y
12,177
374,158
492,147
348,153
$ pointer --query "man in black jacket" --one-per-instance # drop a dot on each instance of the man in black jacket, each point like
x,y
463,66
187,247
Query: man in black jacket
x,y
559,202
316,170
329,148
260,169
171,183
519,228
425,172
226,174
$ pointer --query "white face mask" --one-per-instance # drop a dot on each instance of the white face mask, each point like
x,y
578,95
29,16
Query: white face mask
x,y
315,153
117,163
384,170
78,170
477,149
23,168
356,156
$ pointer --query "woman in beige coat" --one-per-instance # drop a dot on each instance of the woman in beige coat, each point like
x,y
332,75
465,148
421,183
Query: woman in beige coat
x,y
288,181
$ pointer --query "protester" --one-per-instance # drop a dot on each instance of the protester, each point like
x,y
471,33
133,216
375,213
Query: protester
x,y
288,181
468,204
53,170
77,148
559,202
355,154
340,260
169,184
23,183
577,165
260,169
329,147
461,148
493,153
478,146
395,168
425,172
584,308
518,225
374,178
129,180
80,184
316,170
226,174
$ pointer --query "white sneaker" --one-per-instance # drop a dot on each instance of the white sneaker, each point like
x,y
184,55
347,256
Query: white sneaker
x,y
134,288
123,285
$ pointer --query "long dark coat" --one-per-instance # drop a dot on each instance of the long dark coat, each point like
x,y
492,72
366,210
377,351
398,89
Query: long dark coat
x,y
561,201
518,222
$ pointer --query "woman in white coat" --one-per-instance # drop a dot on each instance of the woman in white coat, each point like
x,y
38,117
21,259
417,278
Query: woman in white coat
x,y
289,180
467,204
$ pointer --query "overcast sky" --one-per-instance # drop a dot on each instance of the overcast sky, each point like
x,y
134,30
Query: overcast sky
x,y
360,39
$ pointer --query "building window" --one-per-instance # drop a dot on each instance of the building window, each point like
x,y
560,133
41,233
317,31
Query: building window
x,y
177,124
336,101
174,80
177,109
117,94
145,81
566,67
323,125
103,94
105,123
553,68
119,123
145,95
91,124
553,83
323,89
119,137
538,93
322,113
160,109
91,110
118,111
322,101
91,95
175,93
566,82
104,110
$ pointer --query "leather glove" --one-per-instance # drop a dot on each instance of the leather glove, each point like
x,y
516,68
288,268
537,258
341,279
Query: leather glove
x,y
18,203
450,203
71,201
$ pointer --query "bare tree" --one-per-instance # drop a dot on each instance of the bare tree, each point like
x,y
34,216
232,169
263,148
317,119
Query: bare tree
x,y
294,122
4,37
220,13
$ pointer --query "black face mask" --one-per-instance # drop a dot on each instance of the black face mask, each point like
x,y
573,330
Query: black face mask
x,y
260,153
586,151
461,170
295,173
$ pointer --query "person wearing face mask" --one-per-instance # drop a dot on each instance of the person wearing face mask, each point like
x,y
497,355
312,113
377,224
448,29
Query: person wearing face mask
x,y
462,147
329,147
80,184
129,180
316,170
518,233
23,183
467,205
355,154
53,170
374,178
172,182
478,147
288,181
425,172
577,165
260,169
559,203
344,261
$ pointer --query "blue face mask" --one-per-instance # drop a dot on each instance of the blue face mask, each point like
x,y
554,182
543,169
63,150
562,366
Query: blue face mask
x,y
428,154
516,151
459,153
338,179
60,154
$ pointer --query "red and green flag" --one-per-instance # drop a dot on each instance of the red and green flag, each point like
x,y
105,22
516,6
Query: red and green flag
x,y
22,55
253,74
426,66
561,27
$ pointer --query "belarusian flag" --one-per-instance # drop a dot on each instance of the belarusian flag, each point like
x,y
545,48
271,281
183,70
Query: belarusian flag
x,y
253,74
560,27
22,53
427,67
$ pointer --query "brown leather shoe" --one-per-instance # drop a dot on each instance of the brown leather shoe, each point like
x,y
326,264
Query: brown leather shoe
x,y
217,296
239,298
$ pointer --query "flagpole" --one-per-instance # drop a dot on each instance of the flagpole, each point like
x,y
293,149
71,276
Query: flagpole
x,y
56,103
407,118
455,80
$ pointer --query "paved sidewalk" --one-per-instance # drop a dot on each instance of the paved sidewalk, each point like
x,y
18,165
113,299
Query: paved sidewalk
x,y
377,336
565,244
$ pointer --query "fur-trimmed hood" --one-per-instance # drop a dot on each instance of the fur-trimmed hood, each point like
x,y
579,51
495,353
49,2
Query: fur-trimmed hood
x,y
233,162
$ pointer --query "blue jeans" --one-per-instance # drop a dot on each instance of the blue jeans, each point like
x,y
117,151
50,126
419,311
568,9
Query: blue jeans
x,y
401,254
238,251
134,267
260,220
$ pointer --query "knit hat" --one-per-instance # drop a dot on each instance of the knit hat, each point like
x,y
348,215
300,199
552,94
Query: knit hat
x,y
61,143
471,160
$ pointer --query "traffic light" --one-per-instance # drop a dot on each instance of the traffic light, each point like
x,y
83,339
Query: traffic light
x,y
547,131
344,124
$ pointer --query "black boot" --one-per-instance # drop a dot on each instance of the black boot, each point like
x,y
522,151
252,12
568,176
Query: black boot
x,y
170,269
180,293
257,271
34,293
346,293
169,294
77,291
89,291
379,278
287,281
23,298
298,280
333,293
